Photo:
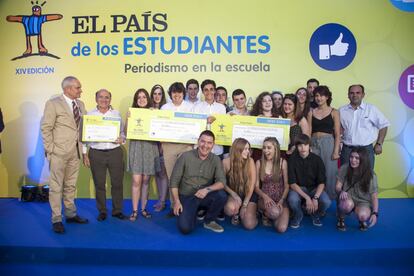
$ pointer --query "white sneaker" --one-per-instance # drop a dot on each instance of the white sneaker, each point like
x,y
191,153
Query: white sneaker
x,y
294,225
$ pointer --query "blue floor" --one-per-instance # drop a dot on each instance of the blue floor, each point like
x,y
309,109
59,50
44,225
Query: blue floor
x,y
153,246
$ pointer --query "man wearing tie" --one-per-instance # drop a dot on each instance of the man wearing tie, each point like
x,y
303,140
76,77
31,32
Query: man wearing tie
x,y
60,133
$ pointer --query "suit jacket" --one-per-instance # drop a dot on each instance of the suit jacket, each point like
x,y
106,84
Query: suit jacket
x,y
59,131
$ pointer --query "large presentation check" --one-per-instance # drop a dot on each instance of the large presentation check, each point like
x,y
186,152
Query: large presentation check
x,y
254,129
100,128
165,125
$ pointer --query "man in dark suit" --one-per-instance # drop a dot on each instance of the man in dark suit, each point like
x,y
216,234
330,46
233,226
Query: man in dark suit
x,y
60,133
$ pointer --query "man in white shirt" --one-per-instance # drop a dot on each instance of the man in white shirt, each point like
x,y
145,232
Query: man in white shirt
x,y
106,156
239,101
172,151
192,87
362,125
221,97
210,107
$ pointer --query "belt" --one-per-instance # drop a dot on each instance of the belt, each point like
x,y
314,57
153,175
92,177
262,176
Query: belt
x,y
357,146
105,150
321,134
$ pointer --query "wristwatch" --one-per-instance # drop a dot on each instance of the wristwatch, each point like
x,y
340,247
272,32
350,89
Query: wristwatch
x,y
315,197
375,213
379,144
208,189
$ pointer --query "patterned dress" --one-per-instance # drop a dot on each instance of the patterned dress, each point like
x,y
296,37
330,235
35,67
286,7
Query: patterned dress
x,y
294,132
142,156
272,189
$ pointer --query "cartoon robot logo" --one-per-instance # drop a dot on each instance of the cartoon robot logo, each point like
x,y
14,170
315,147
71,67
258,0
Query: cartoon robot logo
x,y
33,27
138,122
221,128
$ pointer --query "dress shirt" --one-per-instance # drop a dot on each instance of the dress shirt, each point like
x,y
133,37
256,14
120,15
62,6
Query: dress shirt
x,y
193,103
105,145
183,107
236,111
211,109
307,172
192,173
361,125
69,102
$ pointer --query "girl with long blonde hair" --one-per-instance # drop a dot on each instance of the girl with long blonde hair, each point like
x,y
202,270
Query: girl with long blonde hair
x,y
241,177
272,185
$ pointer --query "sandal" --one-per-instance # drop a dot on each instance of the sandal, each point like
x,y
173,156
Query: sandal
x,y
266,221
159,206
134,215
363,226
340,224
235,220
145,214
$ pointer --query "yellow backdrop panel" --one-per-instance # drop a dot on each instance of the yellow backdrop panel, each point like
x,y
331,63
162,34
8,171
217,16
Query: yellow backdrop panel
x,y
118,45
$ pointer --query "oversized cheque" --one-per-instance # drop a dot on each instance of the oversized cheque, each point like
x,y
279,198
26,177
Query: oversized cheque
x,y
97,128
165,125
255,129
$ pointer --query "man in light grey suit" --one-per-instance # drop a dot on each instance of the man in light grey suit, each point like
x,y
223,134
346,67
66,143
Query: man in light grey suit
x,y
60,133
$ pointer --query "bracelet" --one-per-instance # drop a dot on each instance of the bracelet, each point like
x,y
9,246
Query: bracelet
x,y
245,204
315,197
375,213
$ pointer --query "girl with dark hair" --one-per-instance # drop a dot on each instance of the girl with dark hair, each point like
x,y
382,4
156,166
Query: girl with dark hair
x,y
326,128
304,105
298,124
158,99
241,177
158,96
272,186
263,106
141,161
357,190
277,98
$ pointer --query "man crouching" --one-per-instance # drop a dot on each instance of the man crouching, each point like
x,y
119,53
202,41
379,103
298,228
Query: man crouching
x,y
198,181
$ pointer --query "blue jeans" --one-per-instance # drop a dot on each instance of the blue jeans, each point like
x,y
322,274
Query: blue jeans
x,y
346,152
295,204
214,202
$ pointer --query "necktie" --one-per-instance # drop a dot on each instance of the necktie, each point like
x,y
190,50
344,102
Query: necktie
x,y
76,113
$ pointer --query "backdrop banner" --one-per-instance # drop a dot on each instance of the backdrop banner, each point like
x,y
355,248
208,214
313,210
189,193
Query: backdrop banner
x,y
252,45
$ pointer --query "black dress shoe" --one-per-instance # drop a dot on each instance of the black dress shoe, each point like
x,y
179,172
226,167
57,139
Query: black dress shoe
x,y
77,219
101,217
119,216
58,227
